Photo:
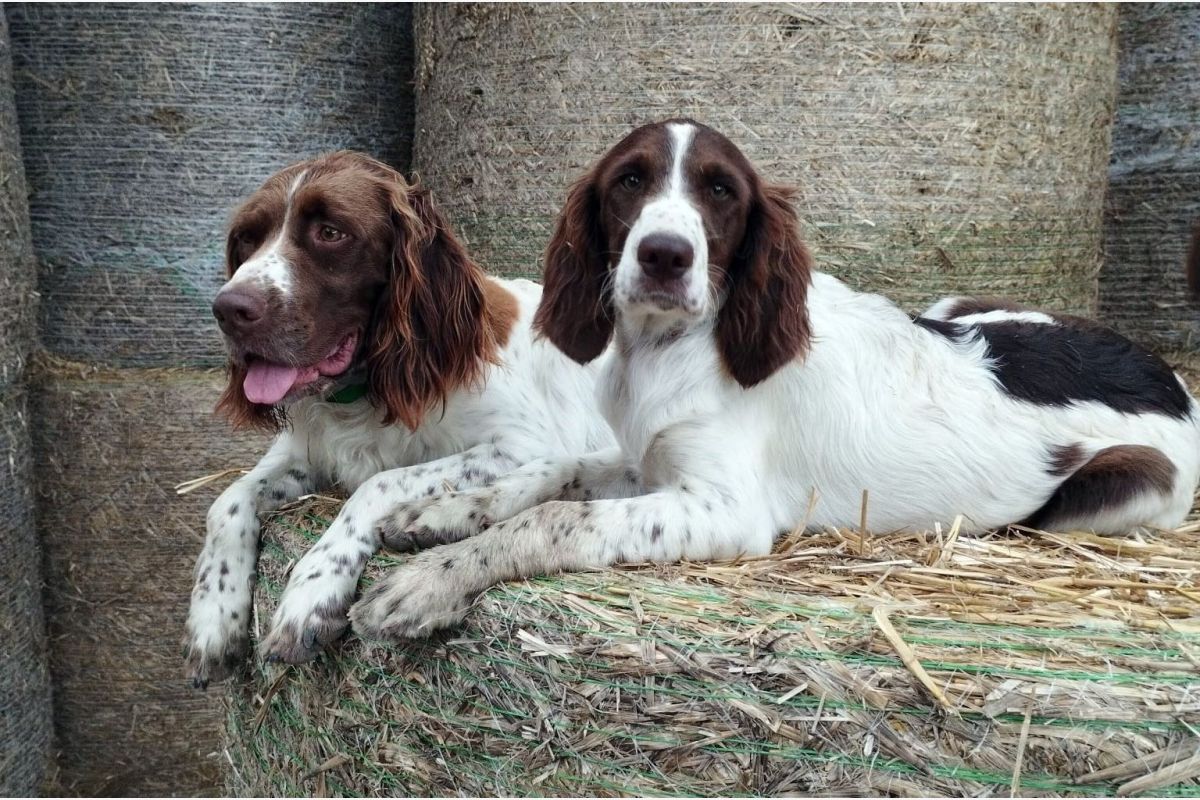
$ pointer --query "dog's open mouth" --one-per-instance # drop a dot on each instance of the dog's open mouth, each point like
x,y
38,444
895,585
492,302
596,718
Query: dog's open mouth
x,y
268,382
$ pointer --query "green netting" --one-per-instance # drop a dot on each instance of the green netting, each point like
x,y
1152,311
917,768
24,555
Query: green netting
x,y
744,680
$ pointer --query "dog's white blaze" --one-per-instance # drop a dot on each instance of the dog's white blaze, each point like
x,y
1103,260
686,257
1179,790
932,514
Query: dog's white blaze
x,y
681,138
268,268
671,211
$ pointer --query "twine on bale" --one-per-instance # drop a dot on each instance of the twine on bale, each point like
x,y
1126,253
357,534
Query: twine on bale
x,y
147,124
120,546
909,664
1154,180
937,148
25,716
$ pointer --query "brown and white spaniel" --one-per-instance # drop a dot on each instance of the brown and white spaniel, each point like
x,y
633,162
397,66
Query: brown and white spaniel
x,y
358,327
751,395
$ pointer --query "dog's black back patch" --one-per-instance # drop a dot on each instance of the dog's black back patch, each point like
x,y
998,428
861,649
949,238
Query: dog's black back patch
x,y
1074,361
1057,364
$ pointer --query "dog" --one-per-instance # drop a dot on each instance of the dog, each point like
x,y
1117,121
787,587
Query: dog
x,y
391,365
750,395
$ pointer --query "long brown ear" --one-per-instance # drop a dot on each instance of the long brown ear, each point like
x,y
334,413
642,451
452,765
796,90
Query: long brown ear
x,y
763,323
429,335
576,312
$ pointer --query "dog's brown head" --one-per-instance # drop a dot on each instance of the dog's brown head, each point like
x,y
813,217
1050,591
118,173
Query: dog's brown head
x,y
340,271
673,224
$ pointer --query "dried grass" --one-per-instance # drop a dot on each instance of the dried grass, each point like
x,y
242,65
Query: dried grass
x,y
910,664
937,148
1153,201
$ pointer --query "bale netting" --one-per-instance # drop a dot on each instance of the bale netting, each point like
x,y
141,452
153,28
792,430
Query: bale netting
x,y
1154,179
120,546
146,124
17,273
937,148
25,722
907,664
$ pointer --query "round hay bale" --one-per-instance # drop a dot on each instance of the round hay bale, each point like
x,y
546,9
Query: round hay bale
x,y
1154,179
937,148
25,716
25,721
146,124
120,546
910,664
17,274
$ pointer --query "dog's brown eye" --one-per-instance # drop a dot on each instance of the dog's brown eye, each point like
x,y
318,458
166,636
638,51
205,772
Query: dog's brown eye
x,y
721,190
631,182
328,233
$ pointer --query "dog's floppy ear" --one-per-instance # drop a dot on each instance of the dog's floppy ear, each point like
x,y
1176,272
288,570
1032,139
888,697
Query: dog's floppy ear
x,y
576,312
763,323
428,335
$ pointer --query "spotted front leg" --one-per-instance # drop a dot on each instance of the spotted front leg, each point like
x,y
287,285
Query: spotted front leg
x,y
453,516
312,611
436,587
219,615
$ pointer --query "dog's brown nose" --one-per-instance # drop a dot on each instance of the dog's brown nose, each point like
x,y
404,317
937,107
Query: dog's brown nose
x,y
664,256
239,310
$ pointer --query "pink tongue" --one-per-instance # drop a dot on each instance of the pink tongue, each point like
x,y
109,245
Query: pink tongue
x,y
268,383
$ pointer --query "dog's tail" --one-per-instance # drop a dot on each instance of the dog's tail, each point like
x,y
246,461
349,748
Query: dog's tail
x,y
1193,263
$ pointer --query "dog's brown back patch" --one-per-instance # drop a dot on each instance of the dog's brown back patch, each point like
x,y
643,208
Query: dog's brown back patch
x,y
1112,477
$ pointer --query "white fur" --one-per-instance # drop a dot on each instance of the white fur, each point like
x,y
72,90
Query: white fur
x,y
269,268
879,404
536,403
669,212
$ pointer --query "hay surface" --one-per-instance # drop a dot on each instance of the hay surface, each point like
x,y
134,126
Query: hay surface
x,y
937,148
1045,664
1154,180
120,546
146,124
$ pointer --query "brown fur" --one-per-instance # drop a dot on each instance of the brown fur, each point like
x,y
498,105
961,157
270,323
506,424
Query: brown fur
x,y
764,321
576,312
755,252
1112,477
407,282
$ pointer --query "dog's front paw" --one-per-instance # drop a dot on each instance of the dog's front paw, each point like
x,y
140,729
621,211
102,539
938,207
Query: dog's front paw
x,y
413,600
210,658
308,619
440,520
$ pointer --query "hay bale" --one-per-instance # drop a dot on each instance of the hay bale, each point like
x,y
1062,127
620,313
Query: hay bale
x,y
1065,665
1153,200
17,274
937,148
25,722
119,553
146,124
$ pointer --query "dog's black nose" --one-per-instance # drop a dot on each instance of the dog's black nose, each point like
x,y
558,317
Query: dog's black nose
x,y
239,311
664,256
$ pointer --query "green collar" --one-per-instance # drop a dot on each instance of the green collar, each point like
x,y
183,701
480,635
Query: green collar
x,y
348,394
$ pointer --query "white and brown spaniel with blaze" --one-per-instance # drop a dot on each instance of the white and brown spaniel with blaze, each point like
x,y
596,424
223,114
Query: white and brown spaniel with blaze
x,y
354,316
750,395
